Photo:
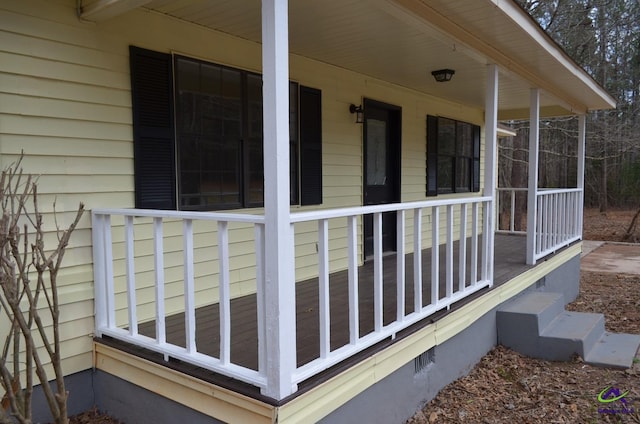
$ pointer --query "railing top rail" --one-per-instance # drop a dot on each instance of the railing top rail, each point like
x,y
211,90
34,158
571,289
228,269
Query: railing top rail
x,y
546,191
511,189
203,216
359,210
295,217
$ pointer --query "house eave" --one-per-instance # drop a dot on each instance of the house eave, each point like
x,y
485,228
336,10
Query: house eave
x,y
411,38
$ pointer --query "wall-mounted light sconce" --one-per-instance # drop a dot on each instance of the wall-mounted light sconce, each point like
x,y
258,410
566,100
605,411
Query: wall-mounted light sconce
x,y
359,111
443,75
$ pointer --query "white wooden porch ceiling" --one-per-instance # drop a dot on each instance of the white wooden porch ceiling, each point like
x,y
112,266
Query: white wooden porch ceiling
x,y
402,41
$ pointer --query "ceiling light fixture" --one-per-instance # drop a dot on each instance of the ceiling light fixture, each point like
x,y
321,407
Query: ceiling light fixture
x,y
443,75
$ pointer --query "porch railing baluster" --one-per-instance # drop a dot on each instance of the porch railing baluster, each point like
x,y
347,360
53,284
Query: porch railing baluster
x,y
512,221
158,261
354,311
435,255
474,244
417,259
449,253
462,259
224,295
377,272
400,266
189,287
130,275
110,289
323,287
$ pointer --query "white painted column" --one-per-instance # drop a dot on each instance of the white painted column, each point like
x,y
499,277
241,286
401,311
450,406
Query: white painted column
x,y
490,170
582,135
279,296
532,194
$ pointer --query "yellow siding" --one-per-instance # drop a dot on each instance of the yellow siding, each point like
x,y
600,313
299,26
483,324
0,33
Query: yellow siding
x,y
65,101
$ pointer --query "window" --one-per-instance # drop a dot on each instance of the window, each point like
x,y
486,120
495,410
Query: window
x,y
198,135
453,156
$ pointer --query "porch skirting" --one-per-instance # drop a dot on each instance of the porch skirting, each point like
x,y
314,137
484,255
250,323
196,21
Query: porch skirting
x,y
387,386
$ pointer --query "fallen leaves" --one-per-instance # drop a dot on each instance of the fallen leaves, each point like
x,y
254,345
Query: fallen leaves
x,y
506,387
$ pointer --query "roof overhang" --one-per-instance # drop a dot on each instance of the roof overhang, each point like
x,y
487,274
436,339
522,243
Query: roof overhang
x,y
402,41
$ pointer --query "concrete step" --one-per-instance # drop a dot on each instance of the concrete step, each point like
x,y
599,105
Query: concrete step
x,y
571,333
521,321
536,324
534,310
614,350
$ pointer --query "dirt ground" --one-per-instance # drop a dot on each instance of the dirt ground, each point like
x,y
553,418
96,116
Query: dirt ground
x,y
609,226
506,387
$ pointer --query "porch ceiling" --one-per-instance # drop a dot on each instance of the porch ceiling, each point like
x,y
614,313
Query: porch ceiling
x,y
402,41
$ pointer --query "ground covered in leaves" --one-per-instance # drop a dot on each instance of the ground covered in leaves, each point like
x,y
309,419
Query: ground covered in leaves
x,y
93,416
609,226
506,387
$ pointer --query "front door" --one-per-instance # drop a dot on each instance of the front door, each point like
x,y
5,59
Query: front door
x,y
381,169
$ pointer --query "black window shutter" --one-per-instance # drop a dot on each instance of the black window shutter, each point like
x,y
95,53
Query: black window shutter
x,y
153,133
310,146
432,155
476,159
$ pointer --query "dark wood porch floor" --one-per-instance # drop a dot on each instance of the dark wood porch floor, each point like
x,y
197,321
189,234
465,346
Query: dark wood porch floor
x,y
509,262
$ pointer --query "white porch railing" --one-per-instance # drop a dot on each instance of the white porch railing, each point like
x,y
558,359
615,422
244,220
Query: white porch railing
x,y
558,219
465,211
506,210
146,243
155,249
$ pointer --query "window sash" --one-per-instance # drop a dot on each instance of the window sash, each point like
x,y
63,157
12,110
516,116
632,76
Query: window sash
x,y
157,159
453,156
219,137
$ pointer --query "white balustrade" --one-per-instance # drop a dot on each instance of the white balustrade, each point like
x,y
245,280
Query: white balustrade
x,y
511,193
558,218
137,252
558,215
460,218
107,308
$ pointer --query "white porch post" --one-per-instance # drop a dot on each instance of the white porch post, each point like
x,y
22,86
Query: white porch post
x,y
490,172
534,135
582,135
279,297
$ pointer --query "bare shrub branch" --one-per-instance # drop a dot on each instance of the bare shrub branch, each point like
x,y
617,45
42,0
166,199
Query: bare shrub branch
x,y
23,255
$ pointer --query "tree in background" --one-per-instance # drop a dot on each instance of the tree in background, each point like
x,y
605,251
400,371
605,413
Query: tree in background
x,y
603,36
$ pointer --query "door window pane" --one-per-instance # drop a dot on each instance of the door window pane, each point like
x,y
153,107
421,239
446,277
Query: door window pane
x,y
376,152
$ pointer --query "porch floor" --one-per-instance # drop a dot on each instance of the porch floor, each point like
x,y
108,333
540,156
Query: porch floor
x,y
509,262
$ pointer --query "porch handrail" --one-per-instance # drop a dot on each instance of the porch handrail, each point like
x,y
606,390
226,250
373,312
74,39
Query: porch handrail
x,y
194,215
387,207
